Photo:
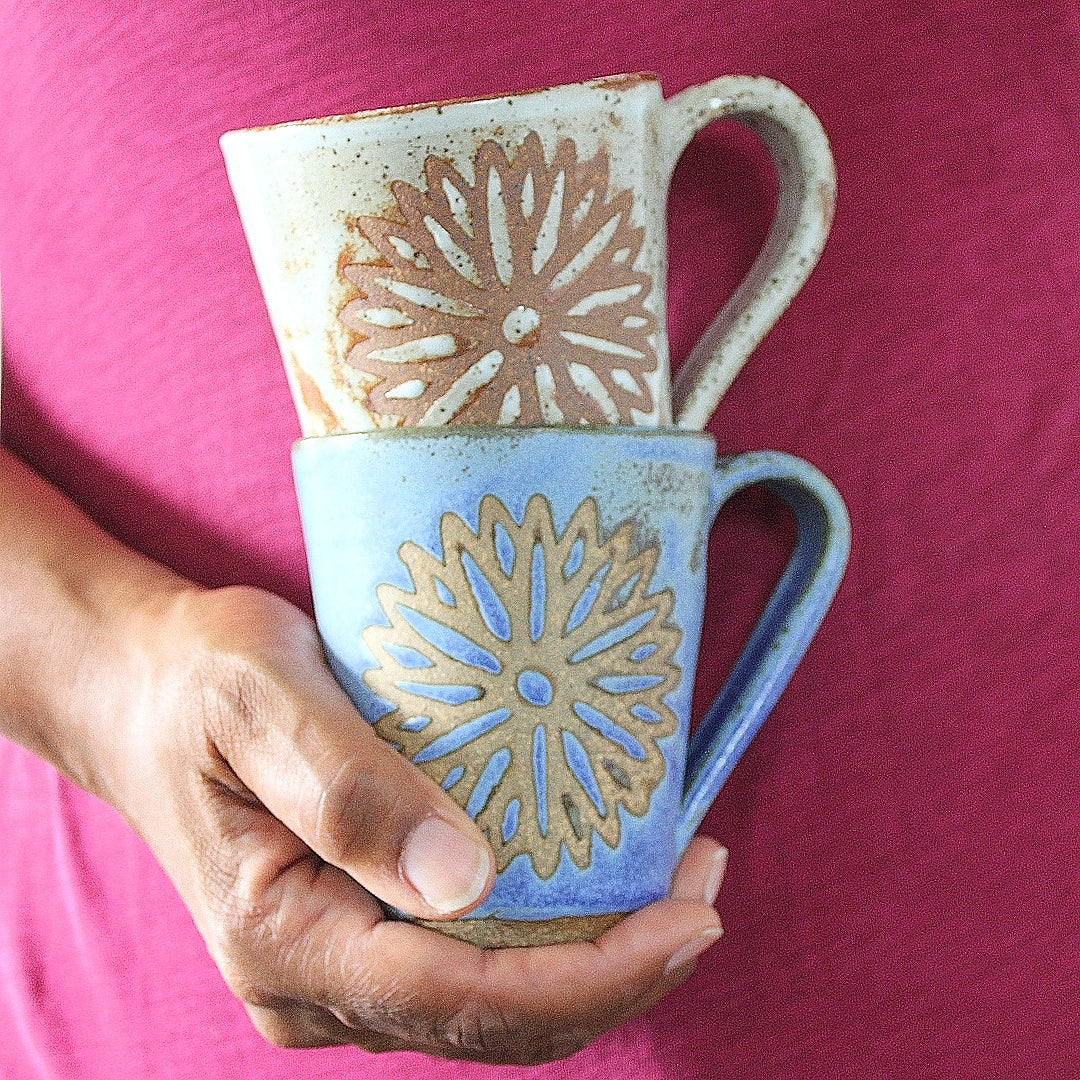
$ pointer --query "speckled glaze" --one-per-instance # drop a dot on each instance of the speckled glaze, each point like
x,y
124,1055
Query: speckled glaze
x,y
503,261
519,612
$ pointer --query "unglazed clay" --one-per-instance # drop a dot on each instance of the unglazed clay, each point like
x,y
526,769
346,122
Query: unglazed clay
x,y
511,300
534,624
502,261
518,611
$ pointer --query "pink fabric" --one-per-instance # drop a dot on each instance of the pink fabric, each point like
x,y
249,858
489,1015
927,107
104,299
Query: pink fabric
x,y
903,887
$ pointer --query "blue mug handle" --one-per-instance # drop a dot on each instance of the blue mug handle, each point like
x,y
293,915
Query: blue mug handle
x,y
784,631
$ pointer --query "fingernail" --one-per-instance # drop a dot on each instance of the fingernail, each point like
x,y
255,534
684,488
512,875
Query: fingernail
x,y
693,949
446,867
716,876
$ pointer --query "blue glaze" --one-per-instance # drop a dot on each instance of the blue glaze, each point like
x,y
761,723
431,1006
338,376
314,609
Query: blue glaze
x,y
581,767
538,593
364,496
487,599
573,560
627,587
645,714
462,734
444,594
408,657
448,641
535,687
614,636
453,776
540,776
610,730
504,549
627,684
489,779
450,694
510,819
586,600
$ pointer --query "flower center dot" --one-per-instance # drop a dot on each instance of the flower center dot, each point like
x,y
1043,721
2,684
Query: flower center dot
x,y
535,687
521,326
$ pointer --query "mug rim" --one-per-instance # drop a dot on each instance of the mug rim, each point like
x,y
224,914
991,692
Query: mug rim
x,y
622,81
481,432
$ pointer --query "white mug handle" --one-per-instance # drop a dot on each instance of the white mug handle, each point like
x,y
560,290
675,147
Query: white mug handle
x,y
807,195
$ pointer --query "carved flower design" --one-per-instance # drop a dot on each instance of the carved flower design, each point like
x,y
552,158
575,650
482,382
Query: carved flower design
x,y
527,674
509,300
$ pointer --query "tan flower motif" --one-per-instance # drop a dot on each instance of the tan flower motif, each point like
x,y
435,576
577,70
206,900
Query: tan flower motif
x,y
527,674
510,300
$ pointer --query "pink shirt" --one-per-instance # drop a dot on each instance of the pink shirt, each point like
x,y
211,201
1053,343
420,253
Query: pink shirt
x,y
903,888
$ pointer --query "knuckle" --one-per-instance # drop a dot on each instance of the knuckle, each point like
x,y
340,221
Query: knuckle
x,y
354,819
236,689
244,979
280,1030
338,828
485,1032
240,700
373,998
243,983
244,614
233,641
238,943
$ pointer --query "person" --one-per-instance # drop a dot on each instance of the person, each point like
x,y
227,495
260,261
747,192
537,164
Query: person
x,y
902,830
156,663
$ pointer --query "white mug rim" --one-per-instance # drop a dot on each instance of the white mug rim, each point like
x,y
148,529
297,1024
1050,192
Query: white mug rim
x,y
625,81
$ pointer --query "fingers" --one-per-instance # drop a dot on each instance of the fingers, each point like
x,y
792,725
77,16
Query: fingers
x,y
274,923
530,1005
308,952
295,740
698,877
309,814
520,1006
700,872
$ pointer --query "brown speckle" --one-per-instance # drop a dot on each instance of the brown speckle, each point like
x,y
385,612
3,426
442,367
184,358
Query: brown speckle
x,y
315,405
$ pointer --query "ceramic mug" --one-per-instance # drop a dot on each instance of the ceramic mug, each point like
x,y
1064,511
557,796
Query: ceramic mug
x,y
503,261
519,611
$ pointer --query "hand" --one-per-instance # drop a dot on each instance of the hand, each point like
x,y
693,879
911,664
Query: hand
x,y
280,816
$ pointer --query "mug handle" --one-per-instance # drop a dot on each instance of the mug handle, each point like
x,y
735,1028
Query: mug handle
x,y
807,195
784,631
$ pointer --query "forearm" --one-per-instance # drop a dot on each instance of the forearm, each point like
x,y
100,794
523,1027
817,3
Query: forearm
x,y
67,591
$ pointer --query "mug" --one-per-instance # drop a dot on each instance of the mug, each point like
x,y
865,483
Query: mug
x,y
503,260
518,611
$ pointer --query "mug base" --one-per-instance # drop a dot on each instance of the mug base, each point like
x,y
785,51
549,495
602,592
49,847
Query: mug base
x,y
490,933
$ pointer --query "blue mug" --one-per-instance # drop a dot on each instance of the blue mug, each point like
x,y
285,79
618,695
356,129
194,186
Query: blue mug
x,y
518,611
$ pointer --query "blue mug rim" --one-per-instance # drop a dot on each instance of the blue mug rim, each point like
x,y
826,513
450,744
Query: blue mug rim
x,y
477,431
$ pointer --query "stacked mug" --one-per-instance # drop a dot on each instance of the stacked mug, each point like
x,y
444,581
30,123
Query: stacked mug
x,y
506,501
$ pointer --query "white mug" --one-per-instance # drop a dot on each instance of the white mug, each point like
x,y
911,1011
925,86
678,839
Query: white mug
x,y
503,260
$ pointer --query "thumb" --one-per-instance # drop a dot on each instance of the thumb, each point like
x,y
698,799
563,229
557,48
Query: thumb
x,y
295,740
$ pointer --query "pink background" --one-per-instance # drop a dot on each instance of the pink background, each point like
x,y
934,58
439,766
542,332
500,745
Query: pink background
x,y
905,832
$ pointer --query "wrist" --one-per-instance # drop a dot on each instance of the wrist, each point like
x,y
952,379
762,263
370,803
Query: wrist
x,y
69,601
100,715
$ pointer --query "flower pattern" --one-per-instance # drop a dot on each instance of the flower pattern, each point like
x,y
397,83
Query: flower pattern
x,y
526,673
509,300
